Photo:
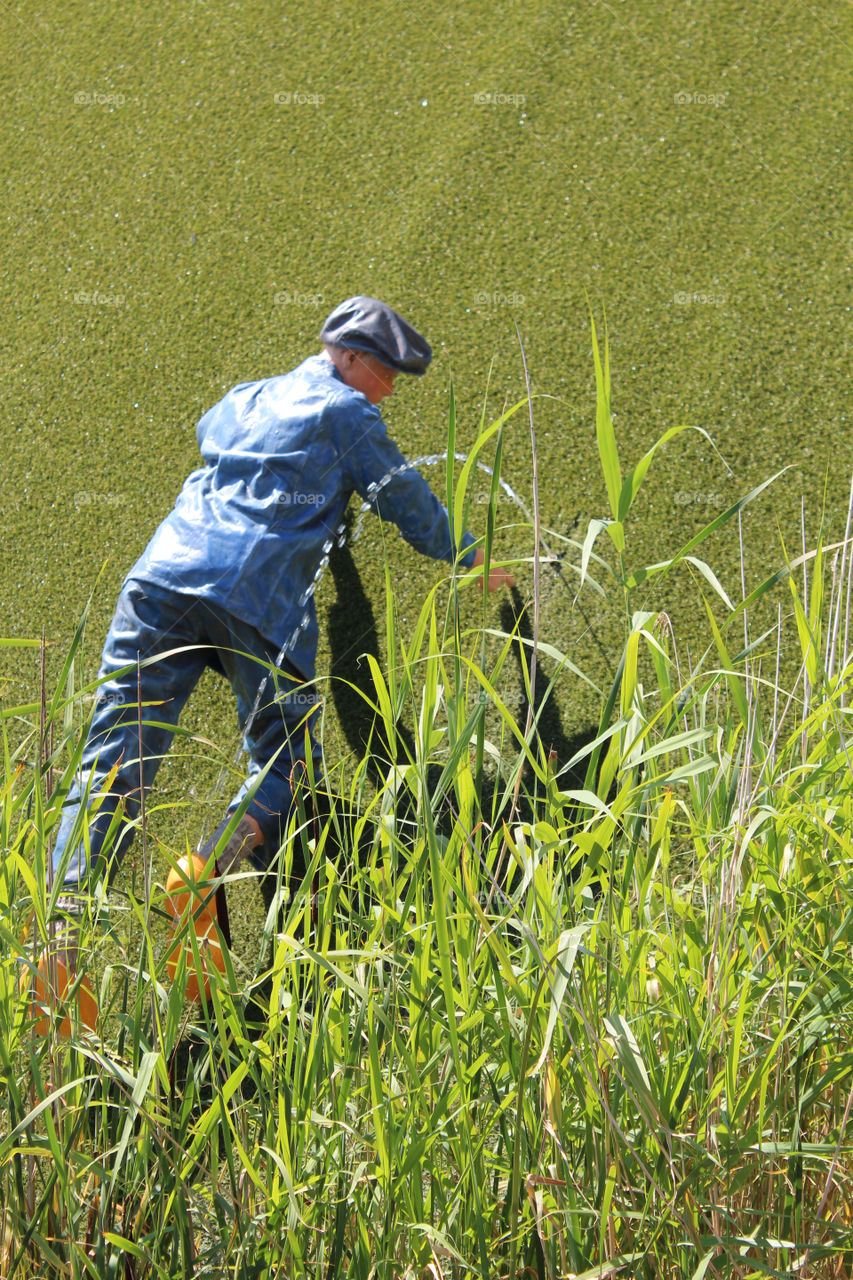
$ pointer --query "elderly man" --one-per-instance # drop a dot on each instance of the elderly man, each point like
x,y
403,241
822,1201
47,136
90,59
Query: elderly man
x,y
227,582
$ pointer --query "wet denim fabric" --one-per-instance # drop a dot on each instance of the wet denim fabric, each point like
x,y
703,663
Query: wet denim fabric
x,y
190,634
283,457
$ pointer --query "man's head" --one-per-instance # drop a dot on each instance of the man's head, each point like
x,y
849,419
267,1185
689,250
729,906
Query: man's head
x,y
370,343
363,372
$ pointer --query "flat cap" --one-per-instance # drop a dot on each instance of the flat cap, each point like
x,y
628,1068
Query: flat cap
x,y
365,324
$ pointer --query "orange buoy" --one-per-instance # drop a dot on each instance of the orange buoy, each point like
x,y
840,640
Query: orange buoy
x,y
50,989
190,896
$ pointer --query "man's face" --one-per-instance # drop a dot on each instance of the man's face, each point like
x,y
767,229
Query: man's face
x,y
367,374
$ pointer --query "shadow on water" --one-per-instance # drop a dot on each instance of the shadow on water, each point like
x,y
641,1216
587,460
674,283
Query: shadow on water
x,y
559,746
353,634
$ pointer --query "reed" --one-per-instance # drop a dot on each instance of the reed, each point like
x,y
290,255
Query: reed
x,y
520,1016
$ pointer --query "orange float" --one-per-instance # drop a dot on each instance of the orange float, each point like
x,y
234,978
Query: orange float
x,y
190,894
51,985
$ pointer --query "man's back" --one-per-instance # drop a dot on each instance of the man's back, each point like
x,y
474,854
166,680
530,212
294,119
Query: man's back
x,y
283,457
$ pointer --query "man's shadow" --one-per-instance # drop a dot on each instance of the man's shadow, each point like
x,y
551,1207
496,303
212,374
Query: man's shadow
x,y
353,634
560,748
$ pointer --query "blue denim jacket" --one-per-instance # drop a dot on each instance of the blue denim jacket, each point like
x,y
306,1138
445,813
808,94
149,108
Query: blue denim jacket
x,y
282,458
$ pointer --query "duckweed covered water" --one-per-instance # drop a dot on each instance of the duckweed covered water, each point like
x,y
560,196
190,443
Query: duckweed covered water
x,y
189,189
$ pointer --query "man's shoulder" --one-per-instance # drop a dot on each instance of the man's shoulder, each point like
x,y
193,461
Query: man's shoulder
x,y
316,378
311,392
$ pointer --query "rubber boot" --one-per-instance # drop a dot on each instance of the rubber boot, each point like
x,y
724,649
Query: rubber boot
x,y
56,973
193,903
190,894
243,840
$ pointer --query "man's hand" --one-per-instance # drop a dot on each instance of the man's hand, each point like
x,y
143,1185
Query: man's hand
x,y
498,577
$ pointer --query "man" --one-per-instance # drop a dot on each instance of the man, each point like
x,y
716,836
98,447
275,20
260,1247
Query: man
x,y
227,581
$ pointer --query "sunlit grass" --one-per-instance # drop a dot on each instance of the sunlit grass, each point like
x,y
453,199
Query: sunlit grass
x,y
504,1024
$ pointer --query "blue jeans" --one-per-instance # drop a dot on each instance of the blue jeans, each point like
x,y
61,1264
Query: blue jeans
x,y
191,634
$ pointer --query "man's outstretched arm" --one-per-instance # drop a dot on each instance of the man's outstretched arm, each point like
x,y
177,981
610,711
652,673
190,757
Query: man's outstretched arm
x,y
498,576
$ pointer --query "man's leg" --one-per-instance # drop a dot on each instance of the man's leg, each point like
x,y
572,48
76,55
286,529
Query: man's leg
x,y
147,621
277,734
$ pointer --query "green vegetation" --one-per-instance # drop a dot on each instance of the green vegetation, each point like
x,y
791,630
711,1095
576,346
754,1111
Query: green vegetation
x,y
174,225
516,1019
524,1015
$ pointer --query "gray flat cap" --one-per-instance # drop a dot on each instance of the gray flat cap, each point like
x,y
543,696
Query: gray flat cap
x,y
365,324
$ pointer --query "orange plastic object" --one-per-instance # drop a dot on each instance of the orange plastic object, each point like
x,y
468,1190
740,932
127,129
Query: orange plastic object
x,y
187,888
58,983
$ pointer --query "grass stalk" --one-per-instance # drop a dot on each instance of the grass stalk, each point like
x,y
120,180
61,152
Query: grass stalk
x,y
496,1022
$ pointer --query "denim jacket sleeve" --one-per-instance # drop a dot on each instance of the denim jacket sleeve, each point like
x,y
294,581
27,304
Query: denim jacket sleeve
x,y
395,490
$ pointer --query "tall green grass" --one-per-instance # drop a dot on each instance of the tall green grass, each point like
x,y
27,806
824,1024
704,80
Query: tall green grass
x,y
508,1023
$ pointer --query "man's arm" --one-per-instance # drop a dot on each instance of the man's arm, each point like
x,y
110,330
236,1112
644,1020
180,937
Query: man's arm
x,y
498,576
397,491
